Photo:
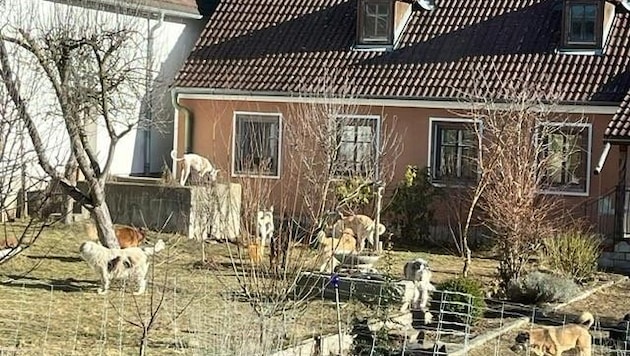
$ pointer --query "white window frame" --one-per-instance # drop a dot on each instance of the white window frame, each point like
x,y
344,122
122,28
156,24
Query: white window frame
x,y
589,127
378,137
430,151
280,118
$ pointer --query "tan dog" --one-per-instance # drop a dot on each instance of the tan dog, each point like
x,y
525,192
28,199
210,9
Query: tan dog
x,y
8,242
255,252
330,245
363,227
127,236
199,163
553,341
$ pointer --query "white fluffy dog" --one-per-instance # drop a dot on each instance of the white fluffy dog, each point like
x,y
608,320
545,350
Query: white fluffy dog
x,y
114,263
264,227
199,163
419,272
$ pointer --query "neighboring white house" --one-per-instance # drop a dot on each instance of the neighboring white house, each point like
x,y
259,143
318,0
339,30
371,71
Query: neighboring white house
x,y
166,31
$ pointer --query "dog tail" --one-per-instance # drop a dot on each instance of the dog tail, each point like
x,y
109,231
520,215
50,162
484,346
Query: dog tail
x,y
159,246
586,319
381,229
174,156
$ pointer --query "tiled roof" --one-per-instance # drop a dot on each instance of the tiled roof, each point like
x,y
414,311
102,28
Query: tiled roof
x,y
619,126
287,46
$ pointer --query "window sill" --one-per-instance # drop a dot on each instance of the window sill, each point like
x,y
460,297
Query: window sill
x,y
254,175
564,193
580,51
373,48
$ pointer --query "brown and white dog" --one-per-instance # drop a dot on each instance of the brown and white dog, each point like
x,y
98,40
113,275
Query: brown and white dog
x,y
362,226
127,236
113,263
197,162
554,340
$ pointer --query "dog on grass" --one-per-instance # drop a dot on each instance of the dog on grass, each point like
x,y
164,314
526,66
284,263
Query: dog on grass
x,y
125,264
362,226
420,274
127,236
346,243
554,340
197,162
254,252
264,227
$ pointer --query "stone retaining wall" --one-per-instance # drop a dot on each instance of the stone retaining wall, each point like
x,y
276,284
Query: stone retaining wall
x,y
617,260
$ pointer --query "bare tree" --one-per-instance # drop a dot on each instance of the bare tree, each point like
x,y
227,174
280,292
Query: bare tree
x,y
93,66
522,145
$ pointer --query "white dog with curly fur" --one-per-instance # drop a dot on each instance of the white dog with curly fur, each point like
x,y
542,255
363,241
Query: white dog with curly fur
x,y
114,263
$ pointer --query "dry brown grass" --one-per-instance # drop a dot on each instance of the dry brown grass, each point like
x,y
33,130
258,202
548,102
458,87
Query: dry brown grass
x,y
50,304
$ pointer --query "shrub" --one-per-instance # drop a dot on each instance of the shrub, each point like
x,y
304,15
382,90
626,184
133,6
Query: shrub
x,y
572,254
456,306
539,287
354,193
408,210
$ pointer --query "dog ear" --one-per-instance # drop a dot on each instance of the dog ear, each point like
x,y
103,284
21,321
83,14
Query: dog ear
x,y
626,317
522,337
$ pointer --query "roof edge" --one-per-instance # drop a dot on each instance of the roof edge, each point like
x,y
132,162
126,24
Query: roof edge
x,y
415,102
147,9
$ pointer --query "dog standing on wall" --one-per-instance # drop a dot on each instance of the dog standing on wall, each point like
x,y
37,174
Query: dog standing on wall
x,y
199,163
363,227
419,272
264,227
114,263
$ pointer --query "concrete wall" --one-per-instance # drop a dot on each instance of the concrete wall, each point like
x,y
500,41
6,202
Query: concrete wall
x,y
197,212
617,260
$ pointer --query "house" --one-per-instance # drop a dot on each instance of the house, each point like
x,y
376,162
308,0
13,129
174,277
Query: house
x,y
257,62
166,31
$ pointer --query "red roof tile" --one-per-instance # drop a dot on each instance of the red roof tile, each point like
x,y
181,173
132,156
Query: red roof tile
x,y
619,127
287,45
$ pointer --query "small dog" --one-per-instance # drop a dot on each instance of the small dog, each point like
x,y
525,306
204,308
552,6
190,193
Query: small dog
x,y
199,163
264,227
110,264
419,272
553,341
363,227
127,236
253,249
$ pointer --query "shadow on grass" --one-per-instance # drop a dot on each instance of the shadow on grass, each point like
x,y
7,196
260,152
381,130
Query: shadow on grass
x,y
69,259
64,285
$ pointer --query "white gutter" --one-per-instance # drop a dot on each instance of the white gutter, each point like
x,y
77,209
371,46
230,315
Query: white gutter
x,y
212,94
149,92
602,159
133,7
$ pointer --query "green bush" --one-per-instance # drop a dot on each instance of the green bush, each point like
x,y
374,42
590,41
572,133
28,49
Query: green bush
x,y
354,193
458,306
408,210
572,254
539,287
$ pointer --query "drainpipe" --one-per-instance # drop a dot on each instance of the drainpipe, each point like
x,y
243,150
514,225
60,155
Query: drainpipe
x,y
149,96
188,123
602,159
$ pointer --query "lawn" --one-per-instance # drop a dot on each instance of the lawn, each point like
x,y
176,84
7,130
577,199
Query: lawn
x,y
50,304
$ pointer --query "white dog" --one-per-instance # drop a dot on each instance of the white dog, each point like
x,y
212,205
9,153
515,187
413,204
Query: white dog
x,y
264,227
199,163
114,263
419,272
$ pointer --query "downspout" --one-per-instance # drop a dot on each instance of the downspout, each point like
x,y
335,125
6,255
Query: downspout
x,y
602,159
188,125
149,93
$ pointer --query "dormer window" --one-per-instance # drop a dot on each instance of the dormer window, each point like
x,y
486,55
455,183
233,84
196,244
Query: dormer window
x,y
584,24
375,25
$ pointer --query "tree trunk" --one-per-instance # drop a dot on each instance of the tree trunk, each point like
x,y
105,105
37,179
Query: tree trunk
x,y
104,226
68,203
